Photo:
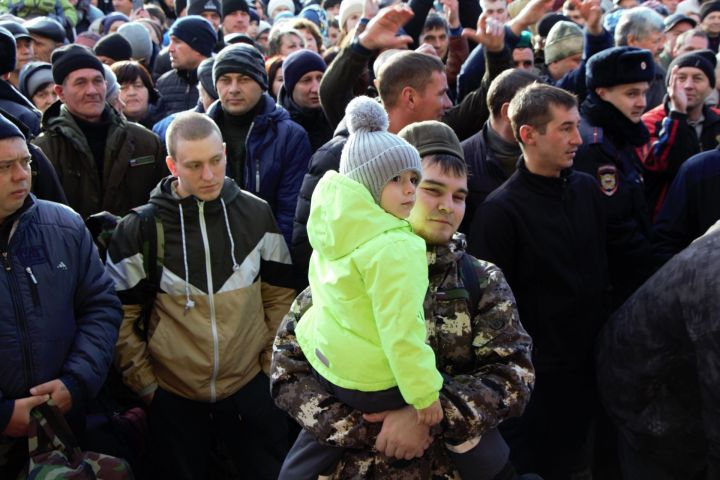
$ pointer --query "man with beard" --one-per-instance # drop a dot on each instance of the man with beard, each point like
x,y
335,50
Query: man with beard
x,y
617,81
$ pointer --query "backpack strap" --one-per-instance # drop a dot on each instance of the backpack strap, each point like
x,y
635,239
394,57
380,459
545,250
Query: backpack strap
x,y
471,282
153,241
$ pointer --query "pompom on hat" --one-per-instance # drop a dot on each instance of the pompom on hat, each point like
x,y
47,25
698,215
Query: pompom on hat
x,y
372,156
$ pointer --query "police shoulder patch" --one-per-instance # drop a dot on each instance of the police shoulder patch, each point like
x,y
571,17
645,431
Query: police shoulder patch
x,y
607,175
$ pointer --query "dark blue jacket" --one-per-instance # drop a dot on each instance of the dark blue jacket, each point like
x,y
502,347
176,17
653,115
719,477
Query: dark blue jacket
x,y
277,156
59,315
692,204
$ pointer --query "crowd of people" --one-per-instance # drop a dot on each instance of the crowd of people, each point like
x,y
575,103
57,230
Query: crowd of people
x,y
451,239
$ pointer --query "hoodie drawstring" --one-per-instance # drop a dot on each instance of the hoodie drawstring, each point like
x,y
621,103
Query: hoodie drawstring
x,y
188,301
235,267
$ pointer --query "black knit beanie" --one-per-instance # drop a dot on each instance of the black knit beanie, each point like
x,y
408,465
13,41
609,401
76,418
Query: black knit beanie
x,y
230,6
197,7
196,32
705,60
9,129
241,58
114,46
67,59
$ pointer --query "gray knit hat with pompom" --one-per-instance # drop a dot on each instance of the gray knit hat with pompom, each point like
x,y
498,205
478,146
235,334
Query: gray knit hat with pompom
x,y
372,156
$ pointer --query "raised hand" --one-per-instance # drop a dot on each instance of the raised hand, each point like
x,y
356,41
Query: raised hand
x,y
490,33
380,32
676,92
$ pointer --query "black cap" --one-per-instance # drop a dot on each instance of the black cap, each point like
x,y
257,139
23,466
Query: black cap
x,y
547,22
8,52
676,18
16,29
46,27
704,60
67,59
230,6
114,46
9,129
197,7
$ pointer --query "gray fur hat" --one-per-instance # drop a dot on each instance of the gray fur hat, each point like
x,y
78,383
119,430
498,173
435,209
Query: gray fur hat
x,y
372,156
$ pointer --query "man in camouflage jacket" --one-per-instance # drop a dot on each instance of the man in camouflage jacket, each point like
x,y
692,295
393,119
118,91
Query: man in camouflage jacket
x,y
483,353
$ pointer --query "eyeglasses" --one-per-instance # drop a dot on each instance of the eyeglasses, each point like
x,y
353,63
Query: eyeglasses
x,y
7,166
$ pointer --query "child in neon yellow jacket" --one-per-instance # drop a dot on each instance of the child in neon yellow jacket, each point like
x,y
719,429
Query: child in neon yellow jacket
x,y
365,335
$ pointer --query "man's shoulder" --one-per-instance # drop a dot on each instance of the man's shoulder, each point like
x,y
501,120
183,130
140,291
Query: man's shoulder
x,y
165,78
57,214
141,132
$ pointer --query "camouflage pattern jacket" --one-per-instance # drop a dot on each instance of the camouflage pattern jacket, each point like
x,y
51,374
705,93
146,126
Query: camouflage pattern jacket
x,y
485,362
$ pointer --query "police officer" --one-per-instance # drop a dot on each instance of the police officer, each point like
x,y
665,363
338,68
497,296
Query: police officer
x,y
618,80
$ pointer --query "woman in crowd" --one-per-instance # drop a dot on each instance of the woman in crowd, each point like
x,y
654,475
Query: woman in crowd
x,y
36,83
137,92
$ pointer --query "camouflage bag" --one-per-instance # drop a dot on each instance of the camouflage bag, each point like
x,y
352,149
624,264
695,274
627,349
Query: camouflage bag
x,y
54,451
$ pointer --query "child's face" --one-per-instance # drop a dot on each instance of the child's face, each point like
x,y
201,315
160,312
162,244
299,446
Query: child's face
x,y
398,195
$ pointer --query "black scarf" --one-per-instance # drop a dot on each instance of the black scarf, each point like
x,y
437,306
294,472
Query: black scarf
x,y
620,130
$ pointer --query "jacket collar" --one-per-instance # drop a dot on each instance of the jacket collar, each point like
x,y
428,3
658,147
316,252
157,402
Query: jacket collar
x,y
551,186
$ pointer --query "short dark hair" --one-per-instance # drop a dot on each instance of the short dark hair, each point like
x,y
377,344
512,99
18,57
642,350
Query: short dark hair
x,y
449,164
127,71
189,126
505,86
406,69
531,106
434,21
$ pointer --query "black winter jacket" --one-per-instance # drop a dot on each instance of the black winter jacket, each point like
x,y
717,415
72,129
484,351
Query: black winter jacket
x,y
547,235
326,158
485,174
658,360
178,91
692,205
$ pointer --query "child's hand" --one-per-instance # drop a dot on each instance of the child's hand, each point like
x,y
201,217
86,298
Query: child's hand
x,y
431,415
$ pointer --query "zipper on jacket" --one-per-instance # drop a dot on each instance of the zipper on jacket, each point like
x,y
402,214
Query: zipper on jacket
x,y
21,319
247,161
211,302
33,287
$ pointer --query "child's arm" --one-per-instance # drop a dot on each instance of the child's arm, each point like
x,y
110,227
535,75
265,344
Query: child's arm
x,y
396,279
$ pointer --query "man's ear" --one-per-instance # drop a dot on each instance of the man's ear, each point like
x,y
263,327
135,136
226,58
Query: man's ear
x,y
527,134
601,92
409,98
171,165
504,111
59,92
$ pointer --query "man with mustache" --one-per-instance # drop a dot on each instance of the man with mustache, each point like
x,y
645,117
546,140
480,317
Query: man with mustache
x,y
103,161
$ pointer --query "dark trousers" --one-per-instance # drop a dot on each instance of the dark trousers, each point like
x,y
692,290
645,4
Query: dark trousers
x,y
247,425
553,437
309,458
